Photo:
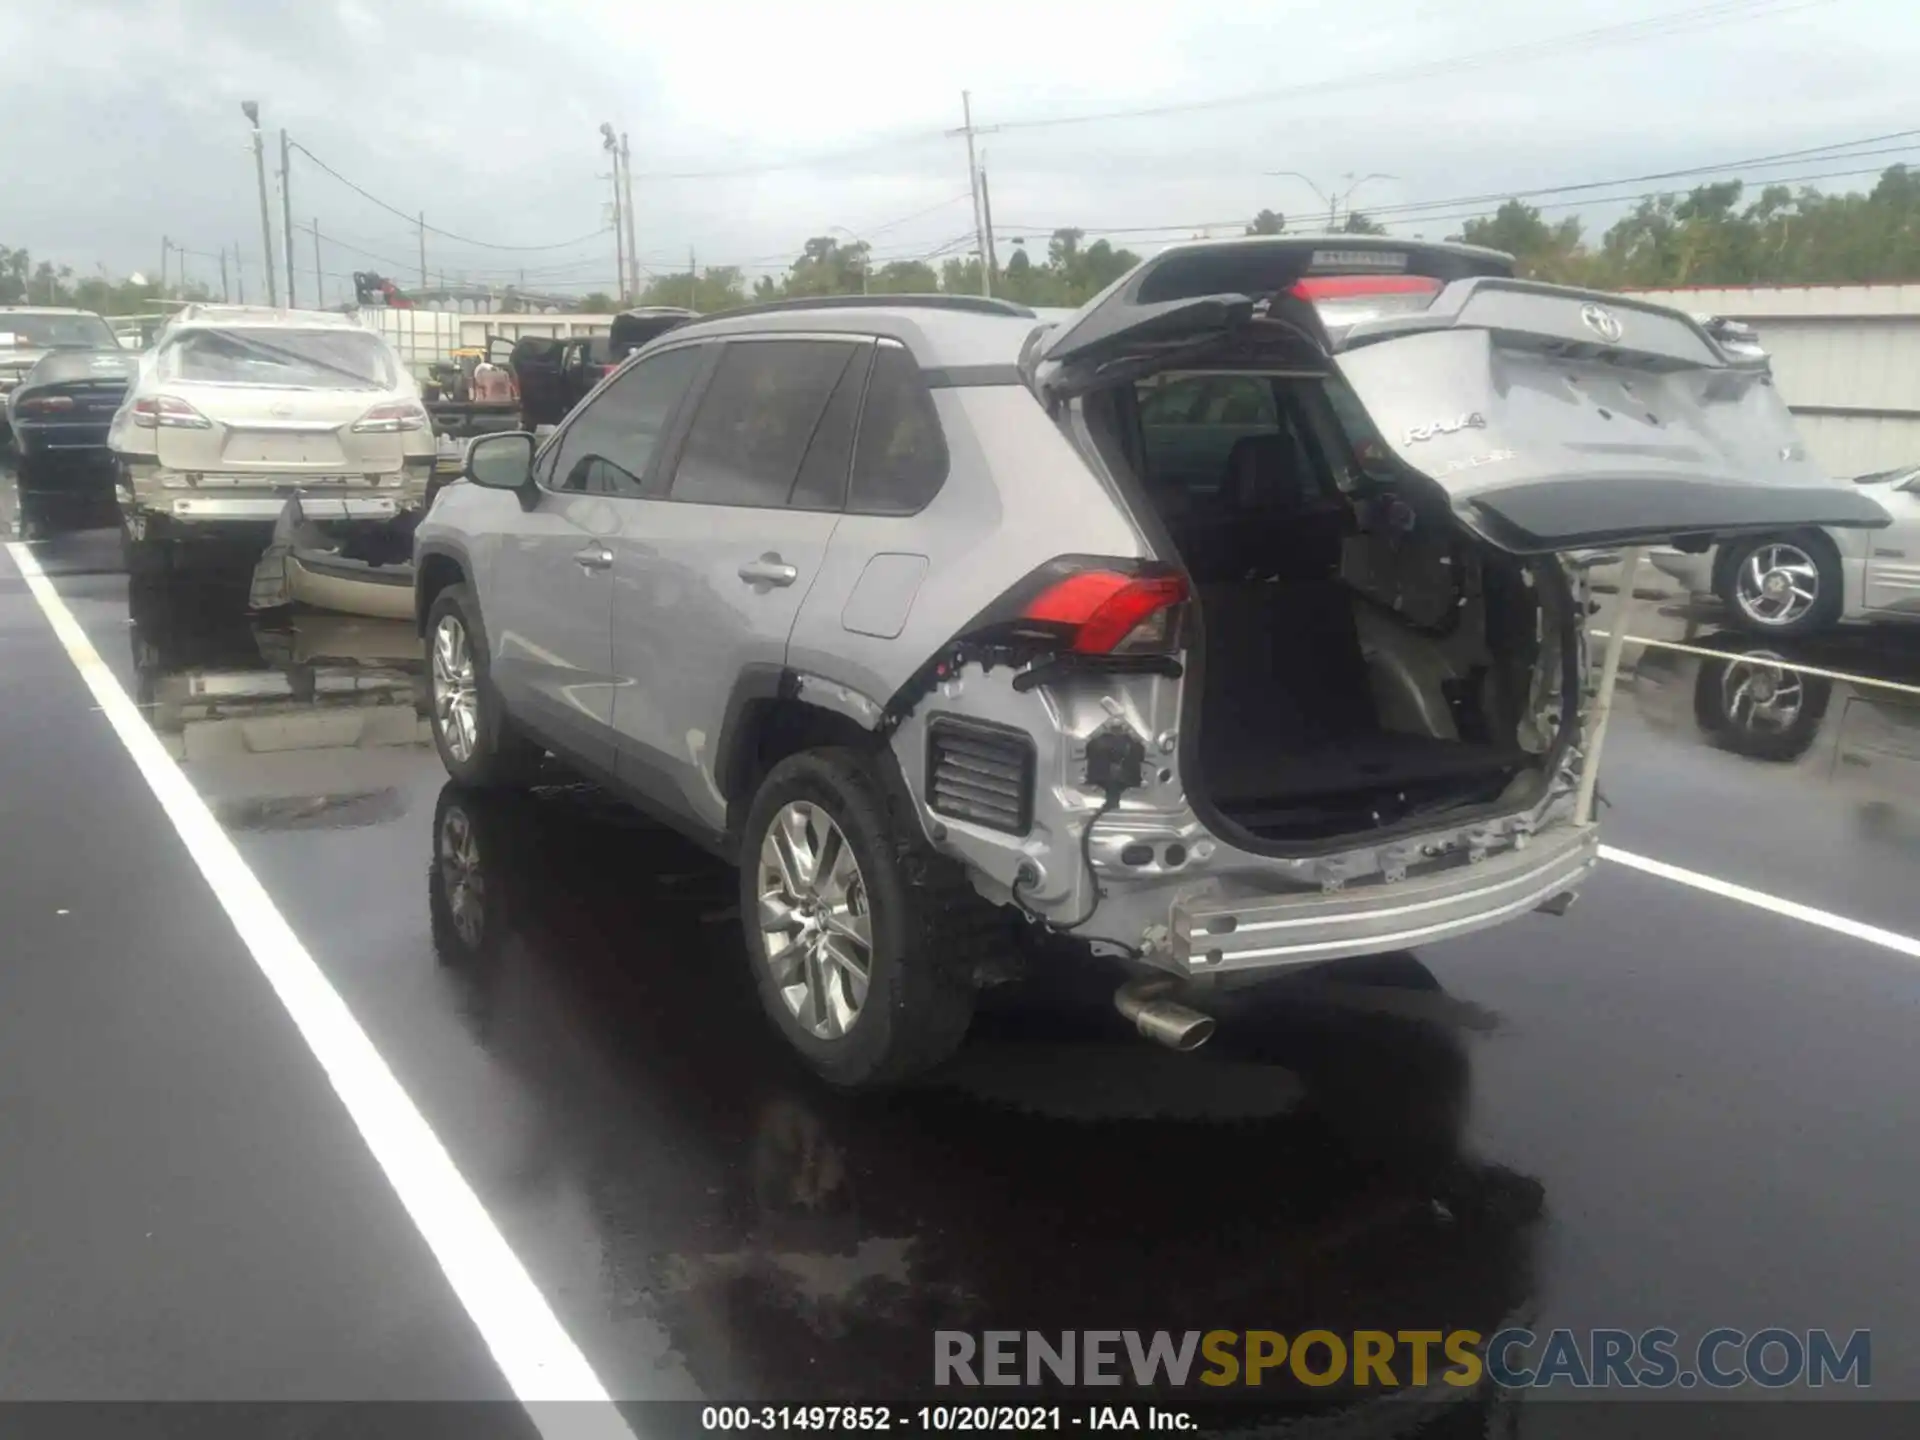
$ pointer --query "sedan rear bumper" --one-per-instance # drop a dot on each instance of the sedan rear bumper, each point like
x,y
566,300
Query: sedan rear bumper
x,y
1219,933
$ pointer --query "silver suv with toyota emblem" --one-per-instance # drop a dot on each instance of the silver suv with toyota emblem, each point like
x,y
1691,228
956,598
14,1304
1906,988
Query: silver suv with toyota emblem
x,y
1221,626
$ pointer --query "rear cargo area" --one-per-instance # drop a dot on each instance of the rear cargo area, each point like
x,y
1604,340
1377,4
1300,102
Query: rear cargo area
x,y
1362,660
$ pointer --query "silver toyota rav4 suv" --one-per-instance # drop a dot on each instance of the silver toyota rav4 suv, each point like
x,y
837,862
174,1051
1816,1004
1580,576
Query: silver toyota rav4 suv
x,y
1222,626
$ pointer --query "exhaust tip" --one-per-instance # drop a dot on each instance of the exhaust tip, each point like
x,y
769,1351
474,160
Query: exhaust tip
x,y
1165,1022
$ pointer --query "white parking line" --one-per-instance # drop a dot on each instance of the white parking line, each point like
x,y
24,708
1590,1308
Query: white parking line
x,y
1791,909
1793,665
542,1365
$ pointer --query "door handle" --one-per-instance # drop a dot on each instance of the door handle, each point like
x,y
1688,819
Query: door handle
x,y
594,557
769,569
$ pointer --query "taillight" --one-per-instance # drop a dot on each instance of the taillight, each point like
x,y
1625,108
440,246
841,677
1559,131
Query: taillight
x,y
1108,612
153,412
46,404
385,419
1350,299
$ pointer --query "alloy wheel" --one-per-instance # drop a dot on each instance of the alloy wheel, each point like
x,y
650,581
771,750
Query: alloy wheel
x,y
462,882
815,923
1762,695
456,704
1777,585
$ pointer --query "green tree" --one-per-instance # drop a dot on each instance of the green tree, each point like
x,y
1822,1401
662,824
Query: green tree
x,y
1541,251
719,287
596,302
1268,222
904,277
1358,222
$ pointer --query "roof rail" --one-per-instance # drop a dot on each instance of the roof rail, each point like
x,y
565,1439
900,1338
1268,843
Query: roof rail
x,y
971,304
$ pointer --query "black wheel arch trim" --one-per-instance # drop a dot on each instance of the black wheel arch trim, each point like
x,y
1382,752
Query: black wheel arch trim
x,y
434,550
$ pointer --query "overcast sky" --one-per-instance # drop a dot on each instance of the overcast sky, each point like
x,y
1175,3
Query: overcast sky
x,y
120,119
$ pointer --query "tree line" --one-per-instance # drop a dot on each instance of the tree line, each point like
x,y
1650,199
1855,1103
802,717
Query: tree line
x,y
1711,235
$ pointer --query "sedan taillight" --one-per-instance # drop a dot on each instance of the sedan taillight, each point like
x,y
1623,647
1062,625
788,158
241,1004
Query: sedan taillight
x,y
154,412
385,419
46,404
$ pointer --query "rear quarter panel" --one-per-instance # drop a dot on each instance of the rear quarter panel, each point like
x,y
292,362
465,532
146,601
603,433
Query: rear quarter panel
x,y
1017,494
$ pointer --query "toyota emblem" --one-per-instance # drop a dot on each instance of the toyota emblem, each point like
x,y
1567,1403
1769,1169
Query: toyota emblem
x,y
1602,321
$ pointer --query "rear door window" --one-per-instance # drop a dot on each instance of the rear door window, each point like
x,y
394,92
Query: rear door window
x,y
610,444
901,459
757,420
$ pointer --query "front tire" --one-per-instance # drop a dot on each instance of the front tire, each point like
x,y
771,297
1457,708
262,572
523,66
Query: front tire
x,y
477,742
1783,585
864,942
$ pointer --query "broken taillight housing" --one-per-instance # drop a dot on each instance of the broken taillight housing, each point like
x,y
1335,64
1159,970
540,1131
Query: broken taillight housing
x,y
1343,300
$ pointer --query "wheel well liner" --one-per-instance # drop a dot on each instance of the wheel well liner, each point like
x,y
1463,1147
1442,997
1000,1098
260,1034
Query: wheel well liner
x,y
766,721
437,571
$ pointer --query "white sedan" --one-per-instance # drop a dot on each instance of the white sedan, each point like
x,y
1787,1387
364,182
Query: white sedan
x,y
1802,581
237,409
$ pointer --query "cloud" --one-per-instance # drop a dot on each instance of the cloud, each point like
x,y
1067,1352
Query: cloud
x,y
123,119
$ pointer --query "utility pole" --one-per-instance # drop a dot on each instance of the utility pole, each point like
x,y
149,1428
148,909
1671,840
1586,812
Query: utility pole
x,y
251,109
693,280
239,276
611,144
973,186
423,250
986,209
225,293
633,234
286,210
319,281
166,245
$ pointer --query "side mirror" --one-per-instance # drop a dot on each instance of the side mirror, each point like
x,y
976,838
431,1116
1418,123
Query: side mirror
x,y
501,462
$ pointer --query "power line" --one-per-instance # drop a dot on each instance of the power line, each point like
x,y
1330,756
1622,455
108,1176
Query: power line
x,y
415,221
1643,195
1811,153
1725,12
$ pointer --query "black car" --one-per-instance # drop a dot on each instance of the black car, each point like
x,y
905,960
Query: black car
x,y
59,413
556,375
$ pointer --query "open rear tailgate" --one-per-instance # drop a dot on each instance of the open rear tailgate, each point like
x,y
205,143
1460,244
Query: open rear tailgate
x,y
1556,419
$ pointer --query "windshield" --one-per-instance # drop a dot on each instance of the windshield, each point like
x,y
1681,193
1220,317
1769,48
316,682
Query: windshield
x,y
294,359
55,332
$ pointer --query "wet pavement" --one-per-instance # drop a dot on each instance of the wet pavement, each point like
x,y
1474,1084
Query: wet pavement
x,y
1664,1109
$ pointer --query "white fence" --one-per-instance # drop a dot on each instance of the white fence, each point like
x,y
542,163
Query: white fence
x,y
1846,359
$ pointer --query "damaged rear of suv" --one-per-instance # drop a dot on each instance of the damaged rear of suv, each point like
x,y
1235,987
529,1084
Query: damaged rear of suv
x,y
1222,627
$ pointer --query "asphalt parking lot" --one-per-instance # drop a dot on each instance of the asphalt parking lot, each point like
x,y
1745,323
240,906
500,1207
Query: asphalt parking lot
x,y
1675,1106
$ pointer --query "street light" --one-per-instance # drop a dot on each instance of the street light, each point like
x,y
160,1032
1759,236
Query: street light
x,y
1336,200
842,230
251,109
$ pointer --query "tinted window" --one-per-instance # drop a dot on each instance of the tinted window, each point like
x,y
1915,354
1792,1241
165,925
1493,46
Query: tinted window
x,y
756,420
822,484
606,449
901,459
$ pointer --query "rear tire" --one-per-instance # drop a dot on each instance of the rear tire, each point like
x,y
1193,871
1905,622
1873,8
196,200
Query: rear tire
x,y
927,930
1800,565
478,743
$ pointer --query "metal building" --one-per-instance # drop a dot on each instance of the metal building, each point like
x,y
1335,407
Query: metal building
x,y
1846,358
